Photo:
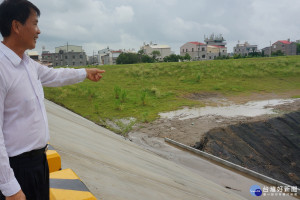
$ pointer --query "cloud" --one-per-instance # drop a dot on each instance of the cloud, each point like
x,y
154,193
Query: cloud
x,y
128,23
123,14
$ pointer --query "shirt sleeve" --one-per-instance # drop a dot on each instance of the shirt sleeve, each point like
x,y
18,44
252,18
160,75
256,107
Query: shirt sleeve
x,y
8,183
51,77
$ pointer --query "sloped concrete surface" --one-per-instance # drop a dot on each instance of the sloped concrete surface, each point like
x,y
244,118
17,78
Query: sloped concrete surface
x,y
115,168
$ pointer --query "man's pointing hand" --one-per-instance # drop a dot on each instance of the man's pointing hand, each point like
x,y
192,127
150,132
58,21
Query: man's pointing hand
x,y
94,74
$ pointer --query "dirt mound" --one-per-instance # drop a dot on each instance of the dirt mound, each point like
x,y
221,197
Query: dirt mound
x,y
270,147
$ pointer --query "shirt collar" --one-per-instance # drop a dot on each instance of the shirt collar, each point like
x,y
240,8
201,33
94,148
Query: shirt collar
x,y
12,56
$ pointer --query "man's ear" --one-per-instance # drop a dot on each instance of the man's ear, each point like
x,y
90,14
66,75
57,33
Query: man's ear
x,y
15,26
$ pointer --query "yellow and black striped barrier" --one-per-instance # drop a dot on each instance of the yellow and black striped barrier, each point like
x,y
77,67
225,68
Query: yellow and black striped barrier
x,y
54,160
65,184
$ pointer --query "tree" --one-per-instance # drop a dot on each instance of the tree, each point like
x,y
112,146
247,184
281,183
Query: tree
x,y
128,58
155,54
278,53
172,58
141,52
298,48
146,59
187,57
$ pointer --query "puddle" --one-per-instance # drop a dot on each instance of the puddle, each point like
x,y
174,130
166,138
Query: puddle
x,y
250,109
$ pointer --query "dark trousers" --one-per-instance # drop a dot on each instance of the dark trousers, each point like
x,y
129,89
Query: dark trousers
x,y
32,174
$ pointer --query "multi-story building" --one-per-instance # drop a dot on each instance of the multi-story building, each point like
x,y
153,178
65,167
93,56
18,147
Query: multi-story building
x,y
214,51
214,47
164,50
285,46
244,49
196,50
68,55
110,58
266,51
107,56
33,55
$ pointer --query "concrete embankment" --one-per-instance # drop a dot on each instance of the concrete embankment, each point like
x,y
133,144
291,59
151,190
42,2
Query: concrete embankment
x,y
270,147
115,168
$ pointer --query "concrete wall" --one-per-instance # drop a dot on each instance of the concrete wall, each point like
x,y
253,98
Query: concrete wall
x,y
66,59
286,49
69,48
163,49
197,52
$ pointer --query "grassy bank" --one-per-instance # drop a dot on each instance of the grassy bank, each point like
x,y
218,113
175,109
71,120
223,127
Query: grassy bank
x,y
143,90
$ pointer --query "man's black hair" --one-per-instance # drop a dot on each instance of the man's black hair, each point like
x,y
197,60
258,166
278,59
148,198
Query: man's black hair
x,y
14,10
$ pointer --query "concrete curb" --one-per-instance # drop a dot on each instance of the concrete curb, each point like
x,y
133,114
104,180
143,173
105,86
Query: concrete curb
x,y
229,164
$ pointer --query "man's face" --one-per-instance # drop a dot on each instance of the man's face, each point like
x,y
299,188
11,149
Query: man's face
x,y
30,31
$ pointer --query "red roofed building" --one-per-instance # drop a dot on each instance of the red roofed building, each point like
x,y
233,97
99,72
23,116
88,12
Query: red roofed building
x,y
196,50
285,46
214,47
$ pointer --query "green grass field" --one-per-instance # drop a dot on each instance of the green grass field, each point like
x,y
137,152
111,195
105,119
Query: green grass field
x,y
143,90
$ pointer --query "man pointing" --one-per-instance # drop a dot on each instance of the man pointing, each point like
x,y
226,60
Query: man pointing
x,y
24,134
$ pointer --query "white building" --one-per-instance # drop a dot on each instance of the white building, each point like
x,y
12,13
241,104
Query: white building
x,y
107,56
196,50
164,50
68,48
244,49
214,47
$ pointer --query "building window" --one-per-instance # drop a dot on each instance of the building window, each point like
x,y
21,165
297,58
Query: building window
x,y
223,51
186,50
209,57
80,56
66,57
203,56
73,57
73,63
203,49
198,49
192,49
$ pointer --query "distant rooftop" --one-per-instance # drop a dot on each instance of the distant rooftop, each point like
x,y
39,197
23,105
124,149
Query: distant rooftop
x,y
197,43
285,41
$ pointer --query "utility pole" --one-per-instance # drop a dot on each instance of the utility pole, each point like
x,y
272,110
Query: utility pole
x,y
270,49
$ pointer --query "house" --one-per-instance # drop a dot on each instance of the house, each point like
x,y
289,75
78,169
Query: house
x,y
196,50
214,51
213,47
68,55
266,51
164,50
33,55
108,56
285,46
244,49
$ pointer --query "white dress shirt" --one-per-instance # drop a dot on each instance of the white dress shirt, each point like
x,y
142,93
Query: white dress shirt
x,y
23,119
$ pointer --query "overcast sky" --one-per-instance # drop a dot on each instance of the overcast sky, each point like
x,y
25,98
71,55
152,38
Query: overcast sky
x,y
127,24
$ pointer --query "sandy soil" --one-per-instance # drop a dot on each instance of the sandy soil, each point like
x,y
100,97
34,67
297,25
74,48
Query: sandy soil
x,y
189,131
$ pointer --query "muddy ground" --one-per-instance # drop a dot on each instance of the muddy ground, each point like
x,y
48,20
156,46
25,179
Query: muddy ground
x,y
208,132
190,131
